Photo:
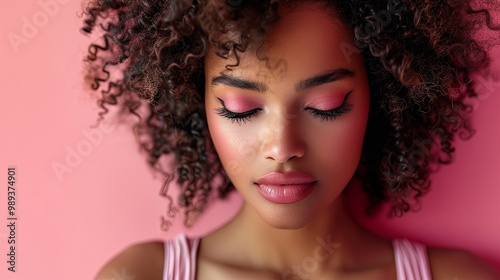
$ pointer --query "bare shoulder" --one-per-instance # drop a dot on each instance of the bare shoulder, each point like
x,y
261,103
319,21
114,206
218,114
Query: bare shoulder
x,y
138,261
457,264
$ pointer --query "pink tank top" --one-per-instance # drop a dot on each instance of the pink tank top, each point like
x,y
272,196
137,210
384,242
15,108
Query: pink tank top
x,y
180,259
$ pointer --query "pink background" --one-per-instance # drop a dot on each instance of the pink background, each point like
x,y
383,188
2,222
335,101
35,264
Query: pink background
x,y
68,226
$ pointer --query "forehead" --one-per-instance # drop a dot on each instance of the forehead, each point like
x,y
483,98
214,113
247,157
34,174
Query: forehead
x,y
308,38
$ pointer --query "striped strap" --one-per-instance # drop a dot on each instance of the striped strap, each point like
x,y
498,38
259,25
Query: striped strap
x,y
412,262
180,258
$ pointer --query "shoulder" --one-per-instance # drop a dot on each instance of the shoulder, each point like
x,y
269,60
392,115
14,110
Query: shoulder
x,y
457,264
140,261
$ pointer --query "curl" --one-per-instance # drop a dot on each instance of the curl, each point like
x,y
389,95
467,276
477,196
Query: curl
x,y
420,54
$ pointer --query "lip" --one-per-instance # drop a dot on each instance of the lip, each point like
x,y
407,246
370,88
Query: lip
x,y
287,187
289,178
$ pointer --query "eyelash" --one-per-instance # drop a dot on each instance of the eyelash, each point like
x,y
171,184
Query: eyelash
x,y
238,117
328,115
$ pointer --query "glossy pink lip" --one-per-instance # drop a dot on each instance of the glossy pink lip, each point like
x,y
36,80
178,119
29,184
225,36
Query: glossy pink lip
x,y
285,187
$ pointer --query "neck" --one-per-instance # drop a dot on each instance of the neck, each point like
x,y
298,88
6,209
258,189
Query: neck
x,y
331,240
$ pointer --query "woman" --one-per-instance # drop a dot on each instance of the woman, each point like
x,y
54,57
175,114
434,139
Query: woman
x,y
291,103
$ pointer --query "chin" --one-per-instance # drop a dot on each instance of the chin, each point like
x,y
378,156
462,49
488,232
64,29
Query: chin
x,y
285,216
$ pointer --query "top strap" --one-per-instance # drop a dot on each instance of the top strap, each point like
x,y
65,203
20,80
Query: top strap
x,y
412,262
180,258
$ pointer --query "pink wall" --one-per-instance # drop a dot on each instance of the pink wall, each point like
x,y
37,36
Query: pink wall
x,y
69,224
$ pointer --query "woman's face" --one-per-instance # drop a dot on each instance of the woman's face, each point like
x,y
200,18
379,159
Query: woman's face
x,y
290,136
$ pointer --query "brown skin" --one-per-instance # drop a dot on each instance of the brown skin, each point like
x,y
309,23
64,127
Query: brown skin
x,y
160,50
145,261
360,255
285,135
275,237
371,258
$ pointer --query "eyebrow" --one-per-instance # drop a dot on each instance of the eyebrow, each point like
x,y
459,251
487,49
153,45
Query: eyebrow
x,y
328,77
239,83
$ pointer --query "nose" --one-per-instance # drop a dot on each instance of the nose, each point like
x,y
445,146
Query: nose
x,y
282,139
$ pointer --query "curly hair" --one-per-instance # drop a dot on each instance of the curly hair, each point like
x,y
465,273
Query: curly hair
x,y
420,56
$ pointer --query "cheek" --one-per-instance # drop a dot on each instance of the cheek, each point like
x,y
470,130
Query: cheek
x,y
237,146
340,147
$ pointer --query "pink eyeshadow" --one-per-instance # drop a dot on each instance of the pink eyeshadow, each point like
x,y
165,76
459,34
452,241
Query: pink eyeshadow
x,y
326,102
239,105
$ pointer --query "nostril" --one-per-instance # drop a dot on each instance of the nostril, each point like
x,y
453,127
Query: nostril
x,y
283,150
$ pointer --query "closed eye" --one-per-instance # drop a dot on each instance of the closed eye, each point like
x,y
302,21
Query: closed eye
x,y
330,114
233,116
327,115
324,115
